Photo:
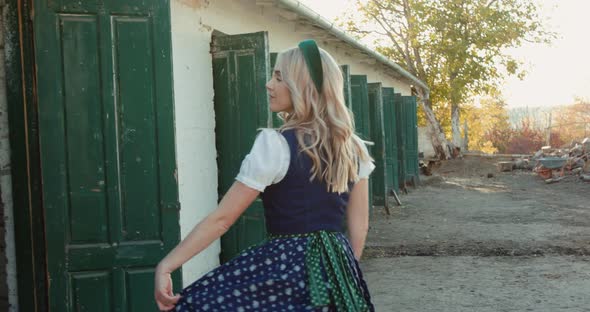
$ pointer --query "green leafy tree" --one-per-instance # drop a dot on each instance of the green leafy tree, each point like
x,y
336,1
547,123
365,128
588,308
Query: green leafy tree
x,y
488,123
458,47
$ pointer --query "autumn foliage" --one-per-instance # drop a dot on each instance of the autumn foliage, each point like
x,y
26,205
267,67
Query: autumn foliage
x,y
525,139
572,122
457,47
491,132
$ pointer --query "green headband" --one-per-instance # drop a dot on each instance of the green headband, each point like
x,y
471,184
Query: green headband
x,y
311,53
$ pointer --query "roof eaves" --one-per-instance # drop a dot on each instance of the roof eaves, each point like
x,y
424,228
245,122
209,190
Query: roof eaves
x,y
329,26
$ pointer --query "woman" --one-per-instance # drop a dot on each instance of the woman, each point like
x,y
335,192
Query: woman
x,y
310,173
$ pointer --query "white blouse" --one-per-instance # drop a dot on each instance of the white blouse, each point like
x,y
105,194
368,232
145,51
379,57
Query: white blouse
x,y
268,161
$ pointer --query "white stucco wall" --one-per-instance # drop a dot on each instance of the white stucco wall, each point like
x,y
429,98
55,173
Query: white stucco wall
x,y
236,17
193,21
195,129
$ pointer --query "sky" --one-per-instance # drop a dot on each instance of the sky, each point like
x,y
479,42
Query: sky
x,y
556,73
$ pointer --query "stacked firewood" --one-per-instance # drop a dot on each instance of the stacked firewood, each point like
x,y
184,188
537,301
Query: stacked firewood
x,y
555,164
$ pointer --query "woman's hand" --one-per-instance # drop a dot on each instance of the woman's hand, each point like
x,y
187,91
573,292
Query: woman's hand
x,y
232,205
357,216
163,291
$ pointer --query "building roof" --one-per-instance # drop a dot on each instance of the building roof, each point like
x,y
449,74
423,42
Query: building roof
x,y
324,29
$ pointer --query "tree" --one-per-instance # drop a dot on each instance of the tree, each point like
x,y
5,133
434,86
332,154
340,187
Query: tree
x,y
489,126
458,47
572,122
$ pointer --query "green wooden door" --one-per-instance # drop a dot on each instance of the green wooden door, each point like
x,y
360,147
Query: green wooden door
x,y
360,108
360,105
240,69
106,131
276,121
391,152
401,137
347,92
412,138
378,137
416,151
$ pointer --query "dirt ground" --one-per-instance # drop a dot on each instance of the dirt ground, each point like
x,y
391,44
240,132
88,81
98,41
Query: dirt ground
x,y
463,241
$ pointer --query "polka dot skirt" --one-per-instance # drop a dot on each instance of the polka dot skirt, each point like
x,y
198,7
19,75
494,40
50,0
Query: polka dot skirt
x,y
271,277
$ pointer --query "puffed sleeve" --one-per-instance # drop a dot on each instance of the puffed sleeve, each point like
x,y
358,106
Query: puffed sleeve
x,y
268,161
365,166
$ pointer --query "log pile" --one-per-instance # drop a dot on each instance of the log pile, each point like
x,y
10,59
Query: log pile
x,y
555,164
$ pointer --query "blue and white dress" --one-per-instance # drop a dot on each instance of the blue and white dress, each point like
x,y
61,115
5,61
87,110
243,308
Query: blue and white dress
x,y
306,263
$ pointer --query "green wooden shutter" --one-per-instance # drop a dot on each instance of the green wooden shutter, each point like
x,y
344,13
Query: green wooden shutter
x,y
106,125
409,136
401,137
391,152
412,138
360,109
360,105
240,69
347,92
378,137
276,121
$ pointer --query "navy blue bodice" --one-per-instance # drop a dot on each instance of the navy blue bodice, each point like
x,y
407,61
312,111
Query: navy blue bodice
x,y
296,205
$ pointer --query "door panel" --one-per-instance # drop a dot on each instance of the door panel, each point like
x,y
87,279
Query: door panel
x,y
276,121
360,105
108,166
401,137
412,140
391,149
360,109
91,291
378,138
241,68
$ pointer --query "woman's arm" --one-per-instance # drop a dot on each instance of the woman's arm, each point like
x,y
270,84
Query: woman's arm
x,y
232,205
357,216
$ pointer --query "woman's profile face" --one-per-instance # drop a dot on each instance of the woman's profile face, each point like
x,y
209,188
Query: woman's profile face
x,y
279,94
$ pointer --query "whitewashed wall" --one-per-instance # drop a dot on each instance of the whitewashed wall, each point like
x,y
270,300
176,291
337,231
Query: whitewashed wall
x,y
193,21
235,17
195,129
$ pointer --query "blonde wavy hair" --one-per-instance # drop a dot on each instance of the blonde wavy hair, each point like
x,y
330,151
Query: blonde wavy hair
x,y
326,126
